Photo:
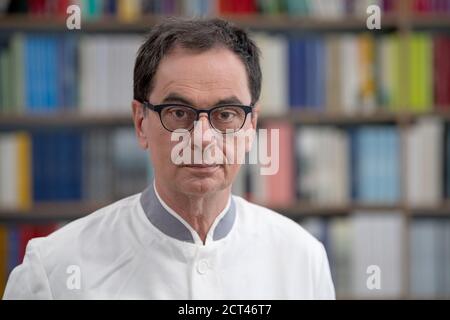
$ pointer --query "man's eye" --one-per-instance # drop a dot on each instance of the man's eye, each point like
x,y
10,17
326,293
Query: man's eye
x,y
226,115
178,113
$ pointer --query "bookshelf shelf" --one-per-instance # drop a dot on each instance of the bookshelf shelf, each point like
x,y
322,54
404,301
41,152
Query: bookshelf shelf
x,y
302,209
436,211
58,120
143,24
50,211
311,117
278,22
307,209
286,22
435,20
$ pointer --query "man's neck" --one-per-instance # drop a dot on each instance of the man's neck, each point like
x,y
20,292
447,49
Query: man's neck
x,y
199,212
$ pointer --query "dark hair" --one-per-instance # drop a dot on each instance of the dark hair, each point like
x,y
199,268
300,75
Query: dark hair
x,y
199,35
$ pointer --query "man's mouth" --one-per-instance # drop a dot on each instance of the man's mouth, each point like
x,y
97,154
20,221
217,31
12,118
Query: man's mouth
x,y
201,166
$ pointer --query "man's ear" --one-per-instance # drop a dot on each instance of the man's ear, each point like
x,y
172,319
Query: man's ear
x,y
138,119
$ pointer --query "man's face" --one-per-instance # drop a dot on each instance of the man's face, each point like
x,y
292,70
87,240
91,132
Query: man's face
x,y
201,80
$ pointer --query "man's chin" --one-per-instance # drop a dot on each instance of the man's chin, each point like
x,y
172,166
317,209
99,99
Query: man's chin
x,y
200,185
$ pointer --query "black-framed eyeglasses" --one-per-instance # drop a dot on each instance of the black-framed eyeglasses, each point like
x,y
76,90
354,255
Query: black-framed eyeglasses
x,y
223,118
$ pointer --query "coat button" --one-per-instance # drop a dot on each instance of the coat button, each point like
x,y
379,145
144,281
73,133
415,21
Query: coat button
x,y
202,266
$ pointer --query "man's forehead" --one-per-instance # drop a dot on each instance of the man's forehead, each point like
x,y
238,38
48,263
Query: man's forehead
x,y
217,73
190,62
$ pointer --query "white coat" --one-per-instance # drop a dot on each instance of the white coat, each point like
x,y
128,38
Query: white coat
x,y
138,248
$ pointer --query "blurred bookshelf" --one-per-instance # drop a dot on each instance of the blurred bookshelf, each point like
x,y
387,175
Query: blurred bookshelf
x,y
331,87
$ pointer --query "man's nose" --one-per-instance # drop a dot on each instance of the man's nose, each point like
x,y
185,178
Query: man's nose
x,y
203,133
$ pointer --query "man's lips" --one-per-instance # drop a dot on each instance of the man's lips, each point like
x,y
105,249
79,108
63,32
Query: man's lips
x,y
201,165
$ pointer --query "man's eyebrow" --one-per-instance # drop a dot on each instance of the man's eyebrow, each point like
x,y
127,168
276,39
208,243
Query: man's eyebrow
x,y
177,98
229,100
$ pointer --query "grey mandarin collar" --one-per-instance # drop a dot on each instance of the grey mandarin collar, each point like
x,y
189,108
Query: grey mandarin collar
x,y
168,222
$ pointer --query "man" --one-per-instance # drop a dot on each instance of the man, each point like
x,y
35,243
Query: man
x,y
185,236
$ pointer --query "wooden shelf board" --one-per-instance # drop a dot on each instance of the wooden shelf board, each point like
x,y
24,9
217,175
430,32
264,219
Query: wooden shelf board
x,y
307,209
430,20
40,121
440,211
252,21
144,23
312,117
51,211
292,22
